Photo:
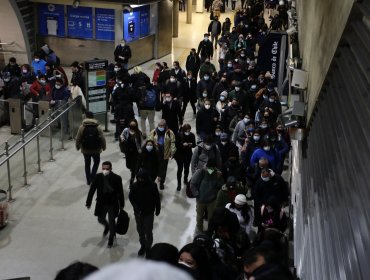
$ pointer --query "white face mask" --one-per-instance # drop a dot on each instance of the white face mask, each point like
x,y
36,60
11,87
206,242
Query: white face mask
x,y
229,65
25,71
218,133
58,86
224,142
105,172
37,59
6,80
58,76
123,44
207,106
206,39
116,69
256,138
266,179
246,120
237,88
149,148
222,98
263,126
187,133
267,148
185,264
207,147
168,99
271,100
206,78
204,94
172,80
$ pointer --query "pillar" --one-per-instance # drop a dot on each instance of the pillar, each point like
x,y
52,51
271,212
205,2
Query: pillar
x,y
175,19
189,10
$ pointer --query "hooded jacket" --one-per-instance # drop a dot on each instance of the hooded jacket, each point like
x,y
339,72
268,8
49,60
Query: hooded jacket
x,y
98,150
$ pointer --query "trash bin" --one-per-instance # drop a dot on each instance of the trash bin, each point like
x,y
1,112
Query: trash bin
x,y
4,206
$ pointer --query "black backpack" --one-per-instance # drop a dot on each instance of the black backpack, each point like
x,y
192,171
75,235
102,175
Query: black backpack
x,y
90,138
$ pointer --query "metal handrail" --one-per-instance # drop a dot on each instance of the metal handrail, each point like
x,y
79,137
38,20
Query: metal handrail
x,y
40,130
7,44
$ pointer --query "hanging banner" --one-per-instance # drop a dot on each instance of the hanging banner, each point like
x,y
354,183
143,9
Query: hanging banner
x,y
272,56
80,22
104,24
51,20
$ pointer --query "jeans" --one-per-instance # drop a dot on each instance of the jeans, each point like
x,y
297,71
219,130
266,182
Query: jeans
x,y
111,223
144,227
147,114
90,173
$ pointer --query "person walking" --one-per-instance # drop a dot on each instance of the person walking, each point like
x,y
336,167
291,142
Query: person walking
x,y
164,139
109,199
132,139
185,141
214,28
145,200
171,112
193,63
205,48
205,184
149,160
91,141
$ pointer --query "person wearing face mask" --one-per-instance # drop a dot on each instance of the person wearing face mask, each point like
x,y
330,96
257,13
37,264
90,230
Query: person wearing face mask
x,y
217,134
13,68
165,141
206,68
171,112
272,106
109,199
244,213
145,200
189,94
185,142
91,141
27,74
205,87
267,151
10,88
174,87
229,191
205,184
229,113
221,86
226,147
205,48
178,72
249,147
206,120
222,102
269,185
122,54
214,28
38,65
194,260
193,63
203,153
59,97
40,89
240,130
148,160
131,138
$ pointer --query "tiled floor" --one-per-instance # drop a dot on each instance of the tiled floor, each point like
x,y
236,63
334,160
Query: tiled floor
x,y
50,226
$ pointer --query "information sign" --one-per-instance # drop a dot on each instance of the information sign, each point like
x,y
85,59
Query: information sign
x,y
51,20
104,24
80,22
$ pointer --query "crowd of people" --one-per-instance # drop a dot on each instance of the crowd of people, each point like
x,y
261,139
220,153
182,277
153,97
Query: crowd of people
x,y
231,161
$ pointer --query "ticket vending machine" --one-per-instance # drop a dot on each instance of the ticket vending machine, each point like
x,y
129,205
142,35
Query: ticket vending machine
x,y
96,96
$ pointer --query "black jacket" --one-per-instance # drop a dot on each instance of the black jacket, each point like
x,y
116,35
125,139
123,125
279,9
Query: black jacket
x,y
122,51
144,198
205,120
205,48
190,90
193,64
148,161
184,152
218,27
114,198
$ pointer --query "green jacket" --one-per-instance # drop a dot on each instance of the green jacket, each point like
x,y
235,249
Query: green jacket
x,y
205,186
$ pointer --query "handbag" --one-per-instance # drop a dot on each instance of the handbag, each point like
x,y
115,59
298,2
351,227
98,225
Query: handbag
x,y
122,146
123,221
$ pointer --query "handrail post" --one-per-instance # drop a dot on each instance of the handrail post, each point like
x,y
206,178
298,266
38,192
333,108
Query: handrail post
x,y
38,145
61,133
24,159
50,137
10,197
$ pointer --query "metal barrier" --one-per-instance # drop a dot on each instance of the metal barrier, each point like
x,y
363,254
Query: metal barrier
x,y
54,116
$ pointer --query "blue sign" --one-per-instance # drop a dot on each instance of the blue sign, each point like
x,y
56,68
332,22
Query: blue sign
x,y
51,20
80,22
131,25
104,24
144,20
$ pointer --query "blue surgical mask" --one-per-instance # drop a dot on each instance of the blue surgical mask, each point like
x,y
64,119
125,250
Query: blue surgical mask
x,y
149,148
206,78
161,128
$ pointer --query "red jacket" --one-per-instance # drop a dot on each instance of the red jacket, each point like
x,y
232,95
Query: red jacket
x,y
36,89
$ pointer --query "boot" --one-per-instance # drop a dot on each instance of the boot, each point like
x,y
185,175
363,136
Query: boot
x,y
141,252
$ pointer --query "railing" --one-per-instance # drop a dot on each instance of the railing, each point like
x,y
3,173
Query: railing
x,y
45,136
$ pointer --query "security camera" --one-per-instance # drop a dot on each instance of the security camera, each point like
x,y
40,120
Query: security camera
x,y
291,30
127,8
76,4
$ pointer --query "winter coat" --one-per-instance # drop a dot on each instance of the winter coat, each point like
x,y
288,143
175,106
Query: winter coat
x,y
205,122
98,150
169,148
171,112
148,161
190,90
193,64
184,153
205,186
205,49
115,199
144,198
122,51
201,156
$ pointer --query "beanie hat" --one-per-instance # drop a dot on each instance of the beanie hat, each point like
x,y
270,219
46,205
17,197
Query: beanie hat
x,y
240,199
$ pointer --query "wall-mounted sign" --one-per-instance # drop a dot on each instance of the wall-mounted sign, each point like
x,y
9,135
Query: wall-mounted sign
x,y
104,24
51,20
80,22
144,20
131,25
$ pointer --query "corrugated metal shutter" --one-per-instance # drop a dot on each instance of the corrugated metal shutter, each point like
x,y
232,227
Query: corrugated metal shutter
x,y
332,212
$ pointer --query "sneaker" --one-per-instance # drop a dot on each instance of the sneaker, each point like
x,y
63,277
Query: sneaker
x,y
141,252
